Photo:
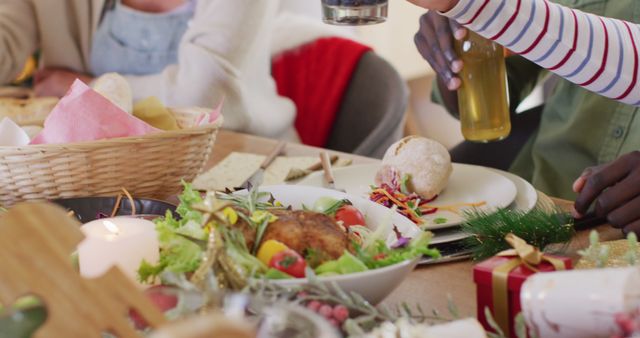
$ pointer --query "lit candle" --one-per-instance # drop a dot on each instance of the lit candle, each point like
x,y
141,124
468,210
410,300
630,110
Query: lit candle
x,y
122,241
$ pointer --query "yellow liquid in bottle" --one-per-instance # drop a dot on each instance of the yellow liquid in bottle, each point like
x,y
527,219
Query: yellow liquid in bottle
x,y
482,99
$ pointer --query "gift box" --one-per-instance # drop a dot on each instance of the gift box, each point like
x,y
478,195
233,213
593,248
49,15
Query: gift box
x,y
500,278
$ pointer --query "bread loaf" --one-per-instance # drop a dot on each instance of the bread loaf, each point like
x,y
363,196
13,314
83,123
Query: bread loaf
x,y
27,112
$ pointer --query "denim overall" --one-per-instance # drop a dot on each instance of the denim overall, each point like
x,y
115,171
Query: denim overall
x,y
132,42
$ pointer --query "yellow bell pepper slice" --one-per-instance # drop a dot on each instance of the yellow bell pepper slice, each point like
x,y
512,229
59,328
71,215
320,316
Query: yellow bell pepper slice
x,y
260,216
270,248
231,215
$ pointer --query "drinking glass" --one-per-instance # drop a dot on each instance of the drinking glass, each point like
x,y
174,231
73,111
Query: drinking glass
x,y
354,12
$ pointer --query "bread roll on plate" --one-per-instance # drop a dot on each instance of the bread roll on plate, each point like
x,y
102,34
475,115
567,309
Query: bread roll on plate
x,y
426,161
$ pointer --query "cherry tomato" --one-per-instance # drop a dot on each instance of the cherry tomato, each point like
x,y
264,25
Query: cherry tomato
x,y
289,262
350,215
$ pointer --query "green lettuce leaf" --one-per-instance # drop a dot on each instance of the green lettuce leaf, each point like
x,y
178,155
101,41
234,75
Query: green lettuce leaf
x,y
177,253
380,255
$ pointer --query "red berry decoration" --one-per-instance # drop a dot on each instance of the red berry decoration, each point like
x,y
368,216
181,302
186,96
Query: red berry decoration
x,y
326,311
340,313
314,305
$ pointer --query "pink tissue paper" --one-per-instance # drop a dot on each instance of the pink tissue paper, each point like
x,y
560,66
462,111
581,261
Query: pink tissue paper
x,y
85,115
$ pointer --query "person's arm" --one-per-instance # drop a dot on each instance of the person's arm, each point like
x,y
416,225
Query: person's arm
x,y
213,54
600,54
18,37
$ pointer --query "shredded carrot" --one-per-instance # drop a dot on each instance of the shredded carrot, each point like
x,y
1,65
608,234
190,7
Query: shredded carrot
x,y
403,207
387,195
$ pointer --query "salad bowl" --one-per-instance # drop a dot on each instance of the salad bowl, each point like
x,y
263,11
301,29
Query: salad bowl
x,y
291,236
374,284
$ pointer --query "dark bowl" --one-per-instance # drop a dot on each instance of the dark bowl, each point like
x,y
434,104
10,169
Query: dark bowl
x,y
87,209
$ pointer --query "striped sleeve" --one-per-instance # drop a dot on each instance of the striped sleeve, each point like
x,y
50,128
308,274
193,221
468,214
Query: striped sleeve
x,y
599,54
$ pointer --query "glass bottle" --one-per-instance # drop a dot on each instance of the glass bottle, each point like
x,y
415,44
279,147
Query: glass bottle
x,y
482,98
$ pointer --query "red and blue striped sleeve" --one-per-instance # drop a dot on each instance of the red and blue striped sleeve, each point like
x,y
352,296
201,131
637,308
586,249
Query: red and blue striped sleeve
x,y
600,54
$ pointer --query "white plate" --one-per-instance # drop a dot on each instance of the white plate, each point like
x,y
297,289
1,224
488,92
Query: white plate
x,y
468,184
527,196
526,200
373,285
448,235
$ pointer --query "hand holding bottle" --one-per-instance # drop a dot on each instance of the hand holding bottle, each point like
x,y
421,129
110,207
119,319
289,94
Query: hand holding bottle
x,y
471,75
435,42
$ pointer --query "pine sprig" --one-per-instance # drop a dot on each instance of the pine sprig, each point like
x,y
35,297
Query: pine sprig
x,y
537,227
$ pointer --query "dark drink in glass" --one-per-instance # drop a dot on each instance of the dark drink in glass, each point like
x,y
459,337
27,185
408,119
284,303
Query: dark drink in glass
x,y
354,12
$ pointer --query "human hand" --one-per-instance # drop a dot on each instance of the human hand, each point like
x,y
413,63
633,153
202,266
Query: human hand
x,y
440,5
434,41
56,81
615,189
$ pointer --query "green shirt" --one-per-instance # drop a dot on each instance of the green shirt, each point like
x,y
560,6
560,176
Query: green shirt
x,y
578,129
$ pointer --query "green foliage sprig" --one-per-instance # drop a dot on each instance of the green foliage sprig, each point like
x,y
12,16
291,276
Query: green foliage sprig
x,y
596,252
537,227
632,253
364,316
599,254
520,326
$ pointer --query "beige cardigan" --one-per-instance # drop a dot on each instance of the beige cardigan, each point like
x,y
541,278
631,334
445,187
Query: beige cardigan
x,y
224,54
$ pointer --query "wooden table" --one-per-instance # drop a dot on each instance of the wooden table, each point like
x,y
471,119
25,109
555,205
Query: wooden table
x,y
429,286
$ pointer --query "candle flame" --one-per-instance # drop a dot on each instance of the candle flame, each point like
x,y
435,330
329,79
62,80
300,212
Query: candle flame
x,y
111,227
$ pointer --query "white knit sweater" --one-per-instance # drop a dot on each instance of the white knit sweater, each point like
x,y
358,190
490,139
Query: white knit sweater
x,y
225,55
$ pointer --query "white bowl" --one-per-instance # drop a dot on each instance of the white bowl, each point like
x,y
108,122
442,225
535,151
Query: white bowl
x,y
372,285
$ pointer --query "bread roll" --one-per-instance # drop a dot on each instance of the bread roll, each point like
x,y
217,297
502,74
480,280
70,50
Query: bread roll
x,y
115,88
426,161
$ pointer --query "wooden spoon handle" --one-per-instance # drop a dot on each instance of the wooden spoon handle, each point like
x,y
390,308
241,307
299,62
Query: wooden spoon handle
x,y
274,153
318,165
326,165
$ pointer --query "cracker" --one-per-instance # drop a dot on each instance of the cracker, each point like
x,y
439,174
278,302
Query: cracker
x,y
236,168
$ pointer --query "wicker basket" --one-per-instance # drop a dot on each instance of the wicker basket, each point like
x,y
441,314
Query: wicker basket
x,y
148,166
